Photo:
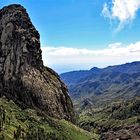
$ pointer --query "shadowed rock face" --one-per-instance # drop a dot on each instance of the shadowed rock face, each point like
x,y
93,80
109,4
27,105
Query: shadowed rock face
x,y
23,78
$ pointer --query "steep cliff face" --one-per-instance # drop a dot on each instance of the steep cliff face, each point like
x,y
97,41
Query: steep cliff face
x,y
23,78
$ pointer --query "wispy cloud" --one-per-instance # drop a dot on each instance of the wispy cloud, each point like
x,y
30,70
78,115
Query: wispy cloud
x,y
66,59
124,11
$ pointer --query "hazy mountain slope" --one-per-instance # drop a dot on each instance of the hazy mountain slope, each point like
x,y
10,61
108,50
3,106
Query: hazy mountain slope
x,y
113,82
71,78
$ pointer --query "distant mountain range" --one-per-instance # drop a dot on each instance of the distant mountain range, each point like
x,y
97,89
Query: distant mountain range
x,y
100,86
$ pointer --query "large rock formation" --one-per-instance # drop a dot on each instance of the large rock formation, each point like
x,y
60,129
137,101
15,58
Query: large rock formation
x,y
23,78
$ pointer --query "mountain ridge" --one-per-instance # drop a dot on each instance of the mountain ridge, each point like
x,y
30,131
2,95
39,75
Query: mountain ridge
x,y
96,69
119,81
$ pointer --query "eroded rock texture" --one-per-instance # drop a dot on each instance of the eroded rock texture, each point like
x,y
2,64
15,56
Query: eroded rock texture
x,y
127,133
23,78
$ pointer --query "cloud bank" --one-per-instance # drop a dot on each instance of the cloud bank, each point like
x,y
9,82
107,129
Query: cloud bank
x,y
123,11
64,59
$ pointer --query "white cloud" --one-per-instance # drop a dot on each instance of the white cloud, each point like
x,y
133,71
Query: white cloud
x,y
122,10
66,59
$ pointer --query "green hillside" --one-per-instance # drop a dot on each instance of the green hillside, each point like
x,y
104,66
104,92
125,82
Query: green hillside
x,y
116,117
27,125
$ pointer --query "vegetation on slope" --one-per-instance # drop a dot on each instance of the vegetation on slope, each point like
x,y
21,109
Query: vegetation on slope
x,y
19,124
114,117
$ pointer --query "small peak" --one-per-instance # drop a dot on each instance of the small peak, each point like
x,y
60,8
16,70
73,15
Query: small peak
x,y
94,69
13,6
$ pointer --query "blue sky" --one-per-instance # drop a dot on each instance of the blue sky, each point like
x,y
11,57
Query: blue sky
x,y
83,25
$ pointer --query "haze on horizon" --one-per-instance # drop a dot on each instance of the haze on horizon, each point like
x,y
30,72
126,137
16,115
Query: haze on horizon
x,y
81,34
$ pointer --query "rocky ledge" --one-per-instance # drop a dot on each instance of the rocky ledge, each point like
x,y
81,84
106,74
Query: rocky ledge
x,y
23,77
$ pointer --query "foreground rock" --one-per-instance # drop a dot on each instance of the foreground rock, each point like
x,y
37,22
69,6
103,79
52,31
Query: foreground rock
x,y
23,78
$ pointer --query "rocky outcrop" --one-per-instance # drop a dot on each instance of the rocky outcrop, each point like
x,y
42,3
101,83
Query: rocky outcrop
x,y
23,78
127,133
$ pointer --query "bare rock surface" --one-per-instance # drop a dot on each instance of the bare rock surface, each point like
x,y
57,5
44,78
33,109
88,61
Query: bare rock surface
x,y
23,78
